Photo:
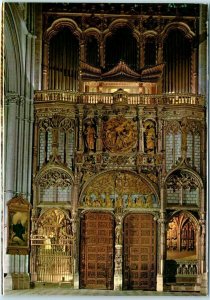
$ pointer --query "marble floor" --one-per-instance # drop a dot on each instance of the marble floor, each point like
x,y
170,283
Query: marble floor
x,y
64,291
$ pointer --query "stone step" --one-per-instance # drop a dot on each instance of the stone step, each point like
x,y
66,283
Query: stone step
x,y
185,287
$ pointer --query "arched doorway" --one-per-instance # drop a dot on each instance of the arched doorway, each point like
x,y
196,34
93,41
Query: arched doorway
x,y
97,251
139,266
182,248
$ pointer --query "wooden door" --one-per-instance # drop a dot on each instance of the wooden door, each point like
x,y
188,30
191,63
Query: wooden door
x,y
139,267
96,251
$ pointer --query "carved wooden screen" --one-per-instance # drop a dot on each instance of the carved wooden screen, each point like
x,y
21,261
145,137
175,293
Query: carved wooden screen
x,y
139,252
96,260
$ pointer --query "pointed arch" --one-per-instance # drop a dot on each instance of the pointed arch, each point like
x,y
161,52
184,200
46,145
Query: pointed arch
x,y
188,170
122,188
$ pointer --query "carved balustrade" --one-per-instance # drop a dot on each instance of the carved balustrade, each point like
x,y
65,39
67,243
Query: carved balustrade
x,y
181,270
108,98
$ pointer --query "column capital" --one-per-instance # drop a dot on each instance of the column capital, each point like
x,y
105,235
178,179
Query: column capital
x,y
14,98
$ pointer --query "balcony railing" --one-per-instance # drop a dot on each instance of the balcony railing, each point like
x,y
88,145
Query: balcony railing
x,y
109,98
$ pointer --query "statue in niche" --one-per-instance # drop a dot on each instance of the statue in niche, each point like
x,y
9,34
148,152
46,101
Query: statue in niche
x,y
149,137
90,135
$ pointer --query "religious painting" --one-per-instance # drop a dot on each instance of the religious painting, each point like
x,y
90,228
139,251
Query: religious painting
x,y
18,226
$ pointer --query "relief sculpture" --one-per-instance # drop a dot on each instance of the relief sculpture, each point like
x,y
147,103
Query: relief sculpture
x,y
120,134
120,189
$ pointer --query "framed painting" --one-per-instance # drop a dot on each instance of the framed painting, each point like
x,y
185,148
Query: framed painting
x,y
18,226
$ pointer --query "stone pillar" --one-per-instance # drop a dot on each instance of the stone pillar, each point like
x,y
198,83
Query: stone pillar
x,y
140,129
11,107
160,147
80,129
162,253
118,254
203,269
28,117
31,118
12,101
75,231
203,150
99,143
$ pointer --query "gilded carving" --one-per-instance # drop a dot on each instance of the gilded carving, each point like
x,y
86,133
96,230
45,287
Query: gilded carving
x,y
182,179
172,126
118,190
149,136
56,121
55,178
119,134
89,135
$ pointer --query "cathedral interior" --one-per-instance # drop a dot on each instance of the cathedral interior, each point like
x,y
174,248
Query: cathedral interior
x,y
105,146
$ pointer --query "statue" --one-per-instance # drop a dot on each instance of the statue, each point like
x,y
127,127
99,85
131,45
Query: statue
x,y
119,202
150,136
108,201
130,201
90,136
139,201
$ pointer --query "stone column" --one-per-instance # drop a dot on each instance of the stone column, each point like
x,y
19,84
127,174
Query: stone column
x,y
75,231
80,130
203,150
99,144
140,114
31,118
20,144
26,139
162,252
159,135
118,253
12,101
11,107
203,269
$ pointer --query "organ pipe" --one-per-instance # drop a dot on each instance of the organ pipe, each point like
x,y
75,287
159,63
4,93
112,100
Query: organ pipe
x,y
177,73
63,61
121,45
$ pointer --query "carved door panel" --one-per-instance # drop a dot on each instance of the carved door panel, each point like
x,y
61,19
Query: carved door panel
x,y
139,252
96,251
